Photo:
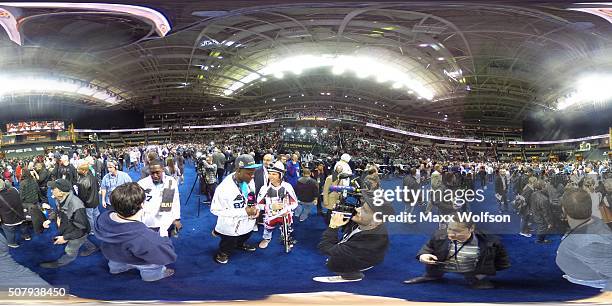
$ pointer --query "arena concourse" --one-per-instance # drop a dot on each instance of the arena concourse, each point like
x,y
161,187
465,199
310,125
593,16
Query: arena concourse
x,y
282,152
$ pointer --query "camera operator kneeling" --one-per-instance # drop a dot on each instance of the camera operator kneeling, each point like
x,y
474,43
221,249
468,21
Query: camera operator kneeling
x,y
363,245
128,243
461,249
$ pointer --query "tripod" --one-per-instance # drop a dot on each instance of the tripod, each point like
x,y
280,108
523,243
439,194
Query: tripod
x,y
199,203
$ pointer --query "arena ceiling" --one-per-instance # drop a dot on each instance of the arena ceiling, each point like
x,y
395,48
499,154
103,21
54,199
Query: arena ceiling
x,y
471,61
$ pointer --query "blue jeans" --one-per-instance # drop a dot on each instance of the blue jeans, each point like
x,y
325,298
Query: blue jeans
x,y
303,210
148,273
92,216
10,232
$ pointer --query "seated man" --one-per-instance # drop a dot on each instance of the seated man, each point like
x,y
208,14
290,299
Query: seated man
x,y
364,242
128,243
461,249
584,253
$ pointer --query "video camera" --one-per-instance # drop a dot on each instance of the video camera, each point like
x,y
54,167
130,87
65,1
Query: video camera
x,y
350,197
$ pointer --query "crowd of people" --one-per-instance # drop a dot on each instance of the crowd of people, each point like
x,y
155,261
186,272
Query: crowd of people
x,y
253,184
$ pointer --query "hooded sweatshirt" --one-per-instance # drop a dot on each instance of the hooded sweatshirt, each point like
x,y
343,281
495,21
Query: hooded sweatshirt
x,y
132,242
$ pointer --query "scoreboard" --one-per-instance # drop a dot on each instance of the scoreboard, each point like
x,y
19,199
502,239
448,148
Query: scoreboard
x,y
22,128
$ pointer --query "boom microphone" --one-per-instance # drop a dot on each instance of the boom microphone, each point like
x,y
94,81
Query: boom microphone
x,y
337,188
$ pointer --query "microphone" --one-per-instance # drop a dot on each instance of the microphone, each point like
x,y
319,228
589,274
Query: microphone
x,y
338,188
251,199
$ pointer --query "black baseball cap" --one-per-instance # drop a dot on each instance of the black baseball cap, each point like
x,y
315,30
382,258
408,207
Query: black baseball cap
x,y
61,184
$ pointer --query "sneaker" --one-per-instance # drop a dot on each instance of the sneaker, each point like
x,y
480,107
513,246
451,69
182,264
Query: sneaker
x,y
334,279
247,248
27,238
168,273
13,245
545,241
525,234
421,279
221,258
88,251
50,265
264,243
482,284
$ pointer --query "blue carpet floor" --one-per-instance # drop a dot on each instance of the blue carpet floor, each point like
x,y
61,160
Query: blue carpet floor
x,y
534,277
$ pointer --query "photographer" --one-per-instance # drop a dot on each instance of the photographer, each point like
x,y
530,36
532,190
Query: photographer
x,y
363,245
464,250
127,243
208,177
72,224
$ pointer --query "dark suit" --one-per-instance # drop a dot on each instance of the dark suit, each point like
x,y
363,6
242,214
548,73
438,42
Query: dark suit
x,y
501,188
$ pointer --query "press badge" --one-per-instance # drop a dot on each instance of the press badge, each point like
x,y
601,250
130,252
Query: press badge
x,y
167,198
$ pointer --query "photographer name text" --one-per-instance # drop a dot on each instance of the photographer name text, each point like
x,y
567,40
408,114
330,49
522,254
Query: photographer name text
x,y
404,217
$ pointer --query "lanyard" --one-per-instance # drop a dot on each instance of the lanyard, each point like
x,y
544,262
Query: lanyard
x,y
575,228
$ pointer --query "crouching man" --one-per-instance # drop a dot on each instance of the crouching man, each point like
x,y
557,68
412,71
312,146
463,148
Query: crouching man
x,y
363,243
72,224
461,249
128,243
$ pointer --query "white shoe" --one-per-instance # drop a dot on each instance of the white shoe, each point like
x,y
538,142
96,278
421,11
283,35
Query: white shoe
x,y
334,279
525,234
264,243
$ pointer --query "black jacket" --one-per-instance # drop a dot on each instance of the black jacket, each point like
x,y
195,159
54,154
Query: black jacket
x,y
66,172
29,191
539,206
88,190
364,249
43,178
11,209
492,256
499,186
307,189
410,183
74,223
258,177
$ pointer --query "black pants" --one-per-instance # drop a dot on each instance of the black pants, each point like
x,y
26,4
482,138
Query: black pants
x,y
209,190
220,173
229,243
348,269
433,271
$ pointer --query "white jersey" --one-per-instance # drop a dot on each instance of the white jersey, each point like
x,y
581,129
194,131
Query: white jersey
x,y
228,204
272,194
151,216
